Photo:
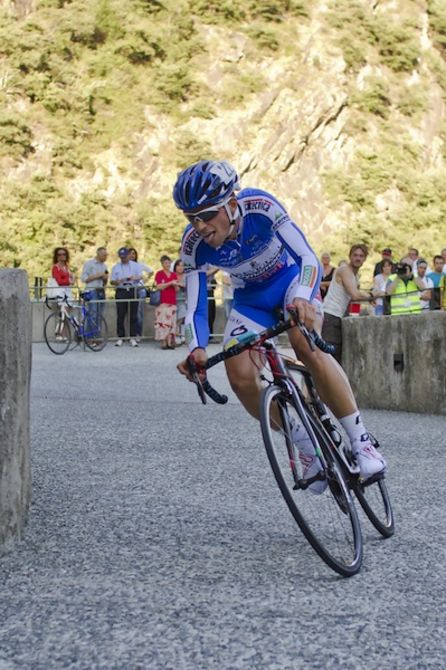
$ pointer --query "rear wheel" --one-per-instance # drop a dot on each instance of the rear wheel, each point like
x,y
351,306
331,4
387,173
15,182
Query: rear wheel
x,y
375,501
328,520
372,495
95,332
57,333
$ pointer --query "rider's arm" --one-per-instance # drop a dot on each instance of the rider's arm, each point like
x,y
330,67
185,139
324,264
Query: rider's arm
x,y
297,246
196,322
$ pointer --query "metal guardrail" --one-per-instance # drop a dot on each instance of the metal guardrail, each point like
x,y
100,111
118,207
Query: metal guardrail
x,y
38,293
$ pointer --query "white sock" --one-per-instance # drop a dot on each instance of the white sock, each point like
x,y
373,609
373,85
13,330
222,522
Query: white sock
x,y
355,429
301,438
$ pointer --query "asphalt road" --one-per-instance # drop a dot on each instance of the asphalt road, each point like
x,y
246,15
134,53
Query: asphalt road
x,y
158,538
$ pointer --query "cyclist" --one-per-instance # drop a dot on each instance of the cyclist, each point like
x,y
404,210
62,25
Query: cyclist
x,y
251,236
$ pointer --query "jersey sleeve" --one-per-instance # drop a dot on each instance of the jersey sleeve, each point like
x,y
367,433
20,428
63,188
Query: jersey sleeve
x,y
297,246
195,266
265,205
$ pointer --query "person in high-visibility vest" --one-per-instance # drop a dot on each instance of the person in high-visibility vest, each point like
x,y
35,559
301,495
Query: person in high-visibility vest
x,y
403,288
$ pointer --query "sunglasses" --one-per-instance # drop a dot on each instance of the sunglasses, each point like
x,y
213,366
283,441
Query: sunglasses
x,y
204,216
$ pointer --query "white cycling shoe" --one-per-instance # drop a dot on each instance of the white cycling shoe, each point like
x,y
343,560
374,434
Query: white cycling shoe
x,y
311,464
369,460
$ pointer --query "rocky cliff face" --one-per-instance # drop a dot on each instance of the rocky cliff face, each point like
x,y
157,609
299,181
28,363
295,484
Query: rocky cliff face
x,y
337,107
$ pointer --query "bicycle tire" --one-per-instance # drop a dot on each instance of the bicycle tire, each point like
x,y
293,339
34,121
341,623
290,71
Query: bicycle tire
x,y
57,333
329,521
373,497
97,336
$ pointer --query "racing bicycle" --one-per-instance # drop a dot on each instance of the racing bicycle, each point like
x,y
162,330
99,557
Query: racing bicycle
x,y
63,329
329,521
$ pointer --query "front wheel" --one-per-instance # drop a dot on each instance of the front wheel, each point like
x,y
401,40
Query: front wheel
x,y
328,520
57,333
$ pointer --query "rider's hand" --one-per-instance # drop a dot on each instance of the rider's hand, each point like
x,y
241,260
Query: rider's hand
x,y
200,357
306,311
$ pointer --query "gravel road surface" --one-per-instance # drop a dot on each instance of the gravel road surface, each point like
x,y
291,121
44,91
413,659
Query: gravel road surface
x,y
158,538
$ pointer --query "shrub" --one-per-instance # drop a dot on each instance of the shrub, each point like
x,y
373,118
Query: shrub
x,y
374,99
436,10
15,136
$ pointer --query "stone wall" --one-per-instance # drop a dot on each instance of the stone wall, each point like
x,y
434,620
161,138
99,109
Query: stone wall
x,y
397,362
15,372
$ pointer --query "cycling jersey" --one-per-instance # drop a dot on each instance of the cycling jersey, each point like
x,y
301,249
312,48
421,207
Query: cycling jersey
x,y
269,247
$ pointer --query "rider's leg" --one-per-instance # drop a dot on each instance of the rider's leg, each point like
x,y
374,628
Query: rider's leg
x,y
335,390
244,377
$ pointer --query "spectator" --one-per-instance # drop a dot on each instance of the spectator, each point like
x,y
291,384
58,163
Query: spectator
x,y
343,288
228,292
178,269
403,288
61,270
426,295
411,259
141,291
166,311
382,303
437,277
443,255
95,277
125,276
386,255
327,273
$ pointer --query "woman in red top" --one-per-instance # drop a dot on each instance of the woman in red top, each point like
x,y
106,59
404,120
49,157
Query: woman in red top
x,y
61,269
166,311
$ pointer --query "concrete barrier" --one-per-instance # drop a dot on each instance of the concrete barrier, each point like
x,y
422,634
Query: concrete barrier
x,y
15,372
397,362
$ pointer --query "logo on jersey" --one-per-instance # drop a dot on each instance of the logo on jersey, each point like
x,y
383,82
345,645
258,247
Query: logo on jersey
x,y
190,242
256,205
309,275
280,220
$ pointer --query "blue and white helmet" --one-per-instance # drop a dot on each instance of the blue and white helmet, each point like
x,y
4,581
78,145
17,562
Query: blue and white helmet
x,y
203,184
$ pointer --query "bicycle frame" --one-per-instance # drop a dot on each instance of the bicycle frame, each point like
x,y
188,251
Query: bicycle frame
x,y
78,326
282,378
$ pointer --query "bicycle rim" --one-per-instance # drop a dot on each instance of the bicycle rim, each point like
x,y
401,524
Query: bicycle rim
x,y
328,520
96,333
57,333
375,501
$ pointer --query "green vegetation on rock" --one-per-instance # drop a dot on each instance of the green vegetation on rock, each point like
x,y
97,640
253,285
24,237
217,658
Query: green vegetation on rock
x,y
103,101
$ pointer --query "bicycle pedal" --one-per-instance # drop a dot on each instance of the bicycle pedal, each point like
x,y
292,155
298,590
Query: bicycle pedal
x,y
305,483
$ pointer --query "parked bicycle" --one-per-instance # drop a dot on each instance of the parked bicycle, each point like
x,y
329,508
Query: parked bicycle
x,y
329,521
63,329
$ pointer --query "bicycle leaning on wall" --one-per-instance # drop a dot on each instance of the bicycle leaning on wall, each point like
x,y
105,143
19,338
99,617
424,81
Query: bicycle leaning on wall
x,y
63,328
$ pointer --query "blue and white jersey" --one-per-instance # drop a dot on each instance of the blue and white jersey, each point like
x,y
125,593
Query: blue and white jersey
x,y
268,242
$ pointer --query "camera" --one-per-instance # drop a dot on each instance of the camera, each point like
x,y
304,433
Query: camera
x,y
403,269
